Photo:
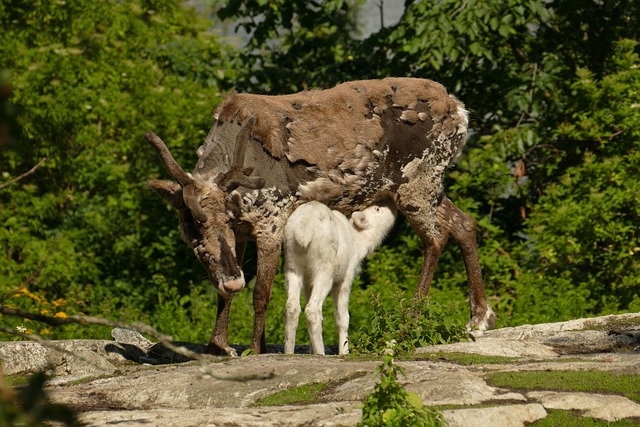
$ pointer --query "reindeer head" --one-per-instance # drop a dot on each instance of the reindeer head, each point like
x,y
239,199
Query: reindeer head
x,y
206,211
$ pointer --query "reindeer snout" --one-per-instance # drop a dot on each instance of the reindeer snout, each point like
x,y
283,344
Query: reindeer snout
x,y
232,286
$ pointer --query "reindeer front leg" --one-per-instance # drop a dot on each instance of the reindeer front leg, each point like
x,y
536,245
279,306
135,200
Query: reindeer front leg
x,y
418,201
268,257
219,342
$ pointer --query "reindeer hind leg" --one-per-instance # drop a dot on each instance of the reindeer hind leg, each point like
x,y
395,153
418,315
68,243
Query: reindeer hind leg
x,y
463,230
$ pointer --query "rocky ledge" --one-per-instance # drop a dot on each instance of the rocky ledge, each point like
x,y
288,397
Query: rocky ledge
x,y
131,381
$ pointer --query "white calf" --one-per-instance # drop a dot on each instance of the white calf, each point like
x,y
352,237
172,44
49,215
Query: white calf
x,y
323,252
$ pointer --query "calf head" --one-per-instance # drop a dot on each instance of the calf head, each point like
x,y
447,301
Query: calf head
x,y
207,215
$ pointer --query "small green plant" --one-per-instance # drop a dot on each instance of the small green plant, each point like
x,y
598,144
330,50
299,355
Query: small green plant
x,y
390,405
415,323
248,352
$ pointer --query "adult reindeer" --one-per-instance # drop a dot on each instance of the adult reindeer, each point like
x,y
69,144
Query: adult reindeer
x,y
348,147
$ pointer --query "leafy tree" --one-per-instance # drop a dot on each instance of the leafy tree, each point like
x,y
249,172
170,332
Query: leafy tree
x,y
583,233
87,79
294,45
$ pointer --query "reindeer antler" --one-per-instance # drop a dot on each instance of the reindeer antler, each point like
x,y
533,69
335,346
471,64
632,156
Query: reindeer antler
x,y
170,164
238,176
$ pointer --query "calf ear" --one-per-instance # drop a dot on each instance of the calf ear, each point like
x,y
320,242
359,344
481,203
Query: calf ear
x,y
170,191
360,220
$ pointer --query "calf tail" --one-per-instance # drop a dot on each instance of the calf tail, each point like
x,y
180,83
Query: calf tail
x,y
311,223
303,234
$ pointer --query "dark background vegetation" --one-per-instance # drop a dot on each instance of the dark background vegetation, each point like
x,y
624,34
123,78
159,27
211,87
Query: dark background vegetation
x,y
551,171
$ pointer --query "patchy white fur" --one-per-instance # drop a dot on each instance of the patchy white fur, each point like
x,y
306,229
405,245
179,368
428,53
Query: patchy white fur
x,y
323,252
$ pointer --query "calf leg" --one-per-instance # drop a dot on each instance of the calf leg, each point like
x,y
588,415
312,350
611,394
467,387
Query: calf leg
x,y
293,283
320,288
341,314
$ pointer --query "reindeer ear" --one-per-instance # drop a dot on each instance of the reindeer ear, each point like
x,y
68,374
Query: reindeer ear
x,y
360,220
170,191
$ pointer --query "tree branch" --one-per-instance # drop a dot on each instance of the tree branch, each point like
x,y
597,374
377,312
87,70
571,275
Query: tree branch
x,y
19,177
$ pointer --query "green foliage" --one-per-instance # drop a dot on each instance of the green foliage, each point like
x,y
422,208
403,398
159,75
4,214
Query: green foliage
x,y
87,80
30,406
311,40
178,311
390,405
583,239
415,323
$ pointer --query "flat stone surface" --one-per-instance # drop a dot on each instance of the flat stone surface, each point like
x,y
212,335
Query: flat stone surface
x,y
71,357
499,416
602,406
487,345
118,392
323,415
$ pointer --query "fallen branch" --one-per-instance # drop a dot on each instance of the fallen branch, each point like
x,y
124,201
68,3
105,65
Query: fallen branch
x,y
165,340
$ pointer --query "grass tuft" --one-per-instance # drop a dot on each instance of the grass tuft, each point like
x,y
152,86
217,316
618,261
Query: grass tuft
x,y
464,358
560,418
627,385
304,394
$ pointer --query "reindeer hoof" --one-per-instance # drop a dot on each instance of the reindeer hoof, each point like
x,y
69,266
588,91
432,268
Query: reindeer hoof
x,y
477,325
217,350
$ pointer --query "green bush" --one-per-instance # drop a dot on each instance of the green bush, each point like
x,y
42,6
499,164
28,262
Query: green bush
x,y
583,242
414,323
86,81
